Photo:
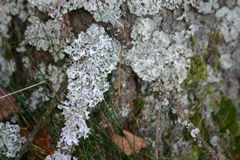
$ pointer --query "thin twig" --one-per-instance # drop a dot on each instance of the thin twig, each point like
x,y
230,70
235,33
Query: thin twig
x,y
21,90
158,134
119,23
42,122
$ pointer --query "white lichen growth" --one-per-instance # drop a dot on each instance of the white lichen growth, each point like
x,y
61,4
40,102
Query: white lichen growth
x,y
195,132
46,36
56,8
157,55
5,19
205,7
9,8
143,29
144,7
225,61
94,55
7,67
10,140
229,24
106,11
215,141
151,7
59,156
171,4
37,97
26,62
55,75
213,76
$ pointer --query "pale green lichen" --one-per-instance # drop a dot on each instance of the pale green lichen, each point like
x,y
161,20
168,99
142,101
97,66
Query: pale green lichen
x,y
94,55
229,24
10,140
46,36
7,67
157,55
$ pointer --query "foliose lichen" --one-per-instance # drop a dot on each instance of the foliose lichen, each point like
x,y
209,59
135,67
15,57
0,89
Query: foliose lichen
x,y
158,55
106,11
60,156
143,7
10,140
9,8
94,55
229,24
205,7
56,8
46,36
7,67
151,7
172,4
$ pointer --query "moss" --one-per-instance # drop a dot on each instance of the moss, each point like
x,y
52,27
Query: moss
x,y
7,54
226,116
193,41
196,153
4,157
236,146
186,134
213,56
198,121
198,71
217,37
43,17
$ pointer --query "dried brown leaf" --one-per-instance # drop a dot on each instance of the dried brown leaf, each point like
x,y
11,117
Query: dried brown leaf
x,y
8,106
43,140
129,143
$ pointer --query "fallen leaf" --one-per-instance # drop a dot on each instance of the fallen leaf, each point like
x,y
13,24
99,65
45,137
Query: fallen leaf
x,y
129,143
8,106
43,140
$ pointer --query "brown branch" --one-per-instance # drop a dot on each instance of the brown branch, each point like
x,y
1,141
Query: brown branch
x,y
43,121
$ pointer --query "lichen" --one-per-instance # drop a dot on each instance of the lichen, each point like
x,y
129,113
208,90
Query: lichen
x,y
60,156
164,48
46,36
6,68
37,97
229,24
226,61
151,7
94,55
55,75
157,55
195,132
172,4
9,8
143,29
205,7
143,7
10,140
106,11
56,8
